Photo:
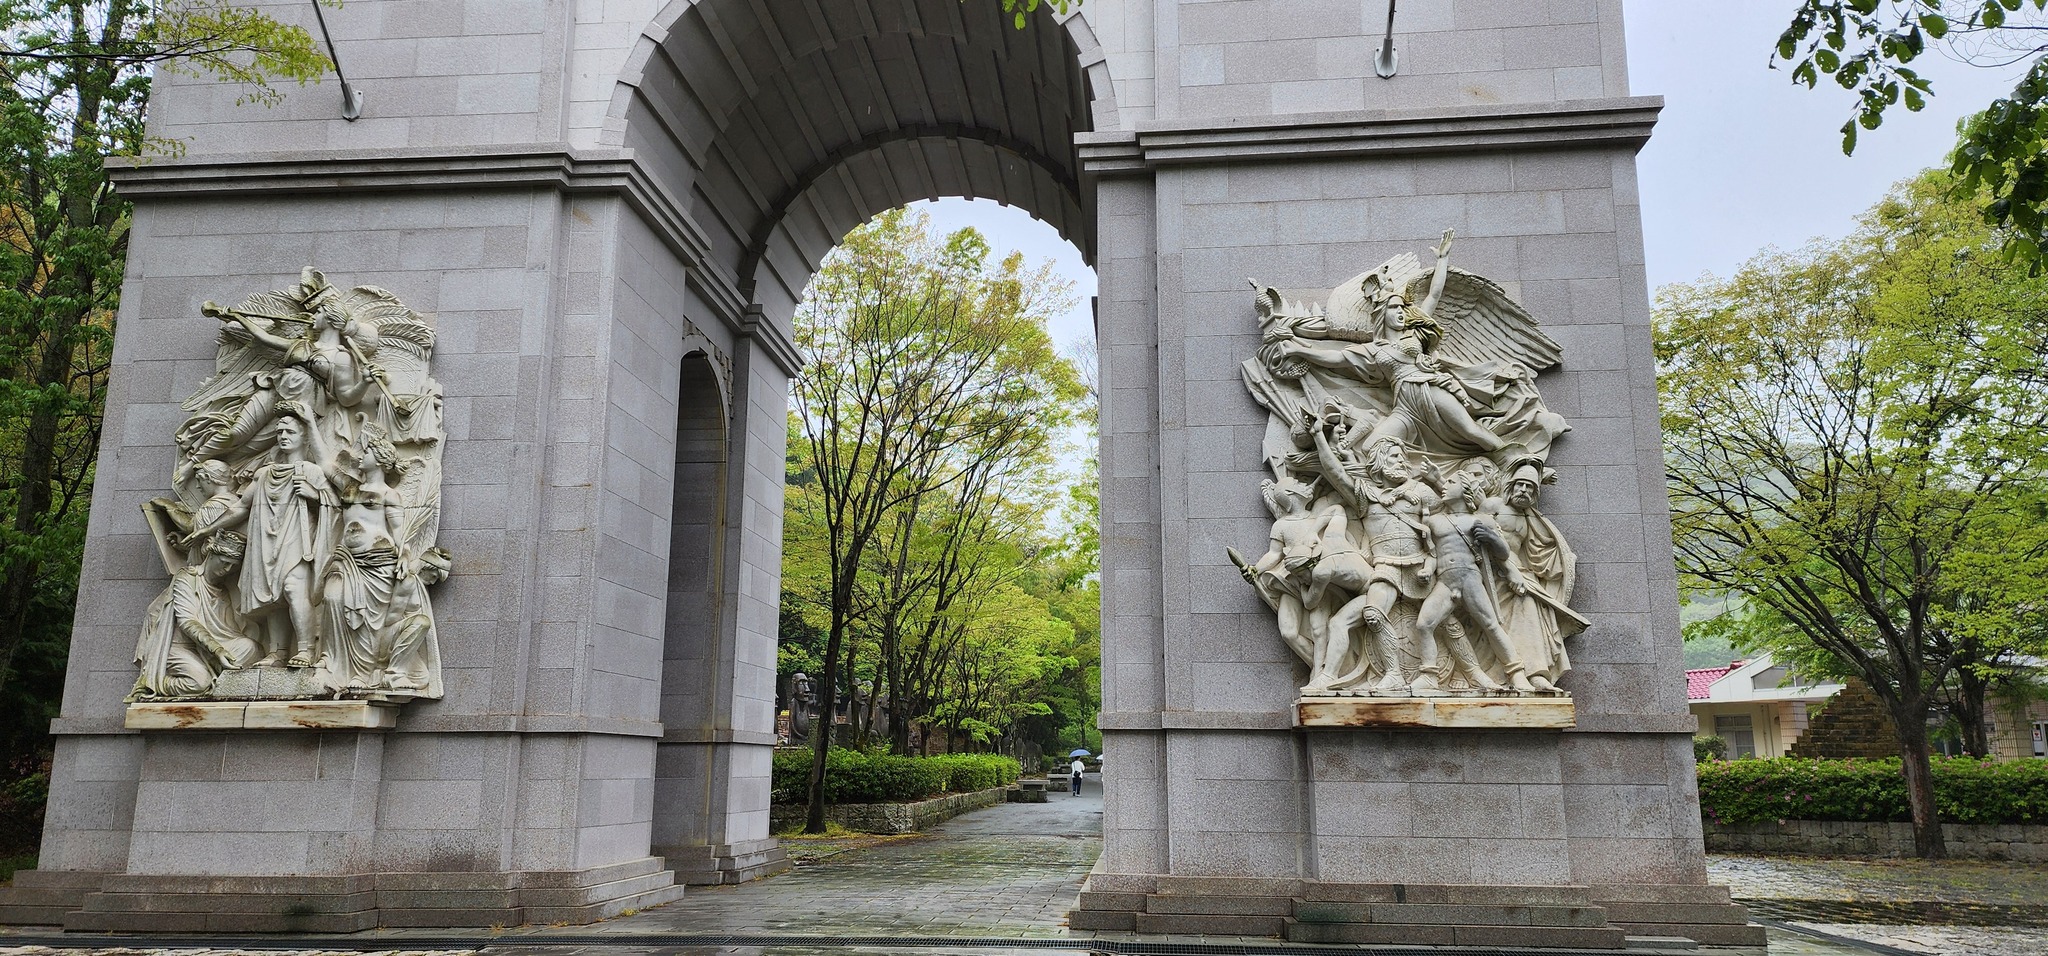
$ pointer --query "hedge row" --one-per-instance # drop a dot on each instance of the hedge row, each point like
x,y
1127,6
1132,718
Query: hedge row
x,y
1966,790
853,776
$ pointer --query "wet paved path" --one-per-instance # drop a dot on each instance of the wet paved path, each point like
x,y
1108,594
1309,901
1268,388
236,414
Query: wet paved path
x,y
999,882
1911,906
1012,870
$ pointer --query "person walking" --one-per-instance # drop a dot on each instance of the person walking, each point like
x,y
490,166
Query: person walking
x,y
1079,767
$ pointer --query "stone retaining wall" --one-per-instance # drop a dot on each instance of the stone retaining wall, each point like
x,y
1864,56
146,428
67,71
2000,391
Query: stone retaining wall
x,y
2026,844
891,817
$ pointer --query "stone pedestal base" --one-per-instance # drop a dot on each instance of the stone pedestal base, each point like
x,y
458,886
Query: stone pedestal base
x,y
729,863
1409,914
1489,713
42,897
262,715
117,902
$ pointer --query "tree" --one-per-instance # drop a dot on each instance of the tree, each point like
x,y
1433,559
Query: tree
x,y
74,85
1867,47
922,363
1020,10
1849,432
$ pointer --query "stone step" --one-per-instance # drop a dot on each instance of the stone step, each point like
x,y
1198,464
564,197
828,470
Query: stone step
x,y
1474,914
307,903
1188,924
88,920
1102,921
1706,934
1189,905
1702,894
28,914
428,917
1452,934
592,912
1676,913
583,896
1120,902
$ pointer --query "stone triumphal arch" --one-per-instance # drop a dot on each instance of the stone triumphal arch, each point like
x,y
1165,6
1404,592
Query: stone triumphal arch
x,y
530,310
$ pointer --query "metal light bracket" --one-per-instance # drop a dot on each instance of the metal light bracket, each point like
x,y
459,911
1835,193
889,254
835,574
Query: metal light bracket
x,y
351,98
1387,61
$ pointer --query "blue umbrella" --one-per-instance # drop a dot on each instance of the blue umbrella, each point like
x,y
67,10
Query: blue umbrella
x,y
1080,753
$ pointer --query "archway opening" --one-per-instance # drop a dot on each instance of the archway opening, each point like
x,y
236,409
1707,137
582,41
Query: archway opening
x,y
964,586
777,128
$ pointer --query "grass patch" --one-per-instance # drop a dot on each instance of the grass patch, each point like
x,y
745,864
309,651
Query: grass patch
x,y
806,848
833,831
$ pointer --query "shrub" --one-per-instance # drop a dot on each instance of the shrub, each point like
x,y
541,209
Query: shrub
x,y
21,811
1709,747
1966,790
853,776
967,773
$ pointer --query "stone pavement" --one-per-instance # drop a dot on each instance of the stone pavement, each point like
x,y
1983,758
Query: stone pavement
x,y
998,882
1910,906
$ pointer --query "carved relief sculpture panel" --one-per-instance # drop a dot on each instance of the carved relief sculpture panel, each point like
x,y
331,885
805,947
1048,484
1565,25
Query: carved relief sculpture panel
x,y
300,537
1409,560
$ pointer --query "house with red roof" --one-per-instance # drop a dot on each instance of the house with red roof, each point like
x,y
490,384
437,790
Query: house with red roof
x,y
1757,706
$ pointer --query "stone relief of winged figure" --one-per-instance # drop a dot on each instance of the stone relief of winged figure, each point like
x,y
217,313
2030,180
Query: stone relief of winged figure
x,y
306,503
1423,379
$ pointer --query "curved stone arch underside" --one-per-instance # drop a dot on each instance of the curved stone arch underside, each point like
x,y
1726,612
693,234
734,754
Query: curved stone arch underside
x,y
781,126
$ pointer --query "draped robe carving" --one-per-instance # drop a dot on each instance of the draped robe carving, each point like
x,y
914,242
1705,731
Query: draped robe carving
x,y
1408,443
310,462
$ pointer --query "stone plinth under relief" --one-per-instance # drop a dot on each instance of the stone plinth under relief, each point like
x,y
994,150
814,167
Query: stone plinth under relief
x,y
262,715
1499,713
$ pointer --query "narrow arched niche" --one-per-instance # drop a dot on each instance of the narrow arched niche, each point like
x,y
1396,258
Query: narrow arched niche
x,y
694,646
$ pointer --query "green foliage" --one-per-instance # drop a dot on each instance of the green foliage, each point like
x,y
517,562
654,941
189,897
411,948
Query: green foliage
x,y
854,776
1867,47
1020,10
1856,445
967,773
22,801
1709,747
74,85
1968,790
923,485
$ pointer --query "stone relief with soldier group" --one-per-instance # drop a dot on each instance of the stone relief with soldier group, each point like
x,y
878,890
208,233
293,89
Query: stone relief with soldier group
x,y
300,538
1408,445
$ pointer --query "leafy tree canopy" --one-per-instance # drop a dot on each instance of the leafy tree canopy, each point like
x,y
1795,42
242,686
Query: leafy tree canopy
x,y
74,87
1870,48
1857,446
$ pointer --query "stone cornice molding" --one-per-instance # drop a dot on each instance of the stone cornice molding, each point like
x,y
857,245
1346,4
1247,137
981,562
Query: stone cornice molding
x,y
552,166
1616,123
718,735
1280,720
754,324
418,723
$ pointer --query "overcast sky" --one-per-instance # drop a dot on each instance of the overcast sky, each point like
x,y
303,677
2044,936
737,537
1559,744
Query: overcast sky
x,y
1741,159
